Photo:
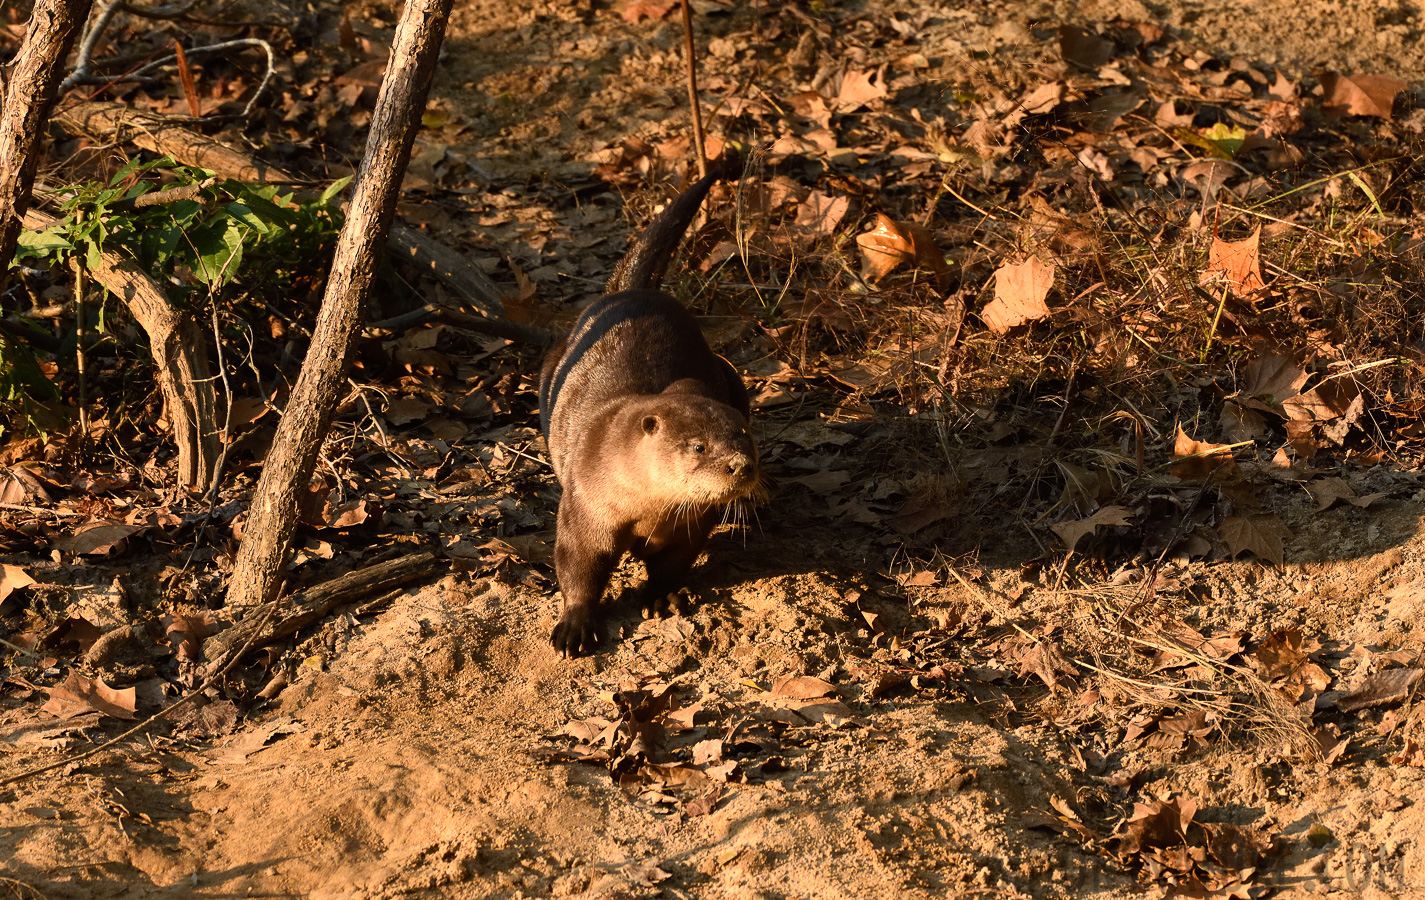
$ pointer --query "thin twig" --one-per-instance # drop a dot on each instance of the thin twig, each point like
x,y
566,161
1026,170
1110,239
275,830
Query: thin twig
x,y
693,91
79,313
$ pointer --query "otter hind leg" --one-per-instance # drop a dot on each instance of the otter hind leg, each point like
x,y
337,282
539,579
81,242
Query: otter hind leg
x,y
668,568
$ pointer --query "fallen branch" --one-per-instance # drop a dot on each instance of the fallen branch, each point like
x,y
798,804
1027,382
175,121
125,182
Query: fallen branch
x,y
307,606
510,331
220,668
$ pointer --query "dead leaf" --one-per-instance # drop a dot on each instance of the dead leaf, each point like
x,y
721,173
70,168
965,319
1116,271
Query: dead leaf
x,y
635,11
1155,825
1274,378
1262,534
1072,532
821,214
346,515
404,410
803,687
1202,461
254,739
79,695
858,88
1334,404
1019,294
890,244
1236,264
1083,48
1042,99
1329,742
823,482
825,712
1327,491
1360,95
96,537
1241,423
12,578
1390,686
925,508
646,873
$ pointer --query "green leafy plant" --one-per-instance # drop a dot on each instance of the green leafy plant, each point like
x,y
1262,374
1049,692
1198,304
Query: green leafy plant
x,y
210,228
204,239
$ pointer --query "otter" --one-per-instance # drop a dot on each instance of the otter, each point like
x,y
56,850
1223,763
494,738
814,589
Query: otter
x,y
647,431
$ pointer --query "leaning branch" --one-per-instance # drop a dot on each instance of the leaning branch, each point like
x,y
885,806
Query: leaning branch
x,y
272,517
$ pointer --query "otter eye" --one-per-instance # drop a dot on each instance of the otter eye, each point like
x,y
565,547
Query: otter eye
x,y
699,448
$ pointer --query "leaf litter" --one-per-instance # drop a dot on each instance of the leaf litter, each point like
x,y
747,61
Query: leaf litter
x,y
1232,258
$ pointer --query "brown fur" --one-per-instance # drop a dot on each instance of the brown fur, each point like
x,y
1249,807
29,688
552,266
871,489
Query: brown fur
x,y
648,433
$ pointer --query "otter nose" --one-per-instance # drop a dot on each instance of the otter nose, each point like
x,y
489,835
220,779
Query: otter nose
x,y
738,465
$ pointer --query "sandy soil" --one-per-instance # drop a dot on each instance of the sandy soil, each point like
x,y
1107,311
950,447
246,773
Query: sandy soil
x,y
423,749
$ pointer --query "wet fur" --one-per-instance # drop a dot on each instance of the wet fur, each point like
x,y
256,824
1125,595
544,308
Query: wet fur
x,y
648,434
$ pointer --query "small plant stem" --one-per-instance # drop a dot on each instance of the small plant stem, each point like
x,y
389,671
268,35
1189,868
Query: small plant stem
x,y
693,91
80,313
1212,330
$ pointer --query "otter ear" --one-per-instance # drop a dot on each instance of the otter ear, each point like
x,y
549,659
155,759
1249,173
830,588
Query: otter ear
x,y
650,424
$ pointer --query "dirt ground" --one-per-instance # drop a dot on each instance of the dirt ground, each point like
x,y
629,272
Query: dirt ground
x,y
425,749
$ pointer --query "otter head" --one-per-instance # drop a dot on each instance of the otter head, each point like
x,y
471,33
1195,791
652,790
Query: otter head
x,y
697,451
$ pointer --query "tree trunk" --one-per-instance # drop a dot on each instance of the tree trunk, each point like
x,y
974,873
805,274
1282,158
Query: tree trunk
x,y
53,26
272,517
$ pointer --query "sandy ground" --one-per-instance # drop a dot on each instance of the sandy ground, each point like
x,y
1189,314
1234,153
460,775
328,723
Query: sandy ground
x,y
422,749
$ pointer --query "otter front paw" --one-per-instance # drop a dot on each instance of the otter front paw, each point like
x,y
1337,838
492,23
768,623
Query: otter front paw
x,y
577,633
662,603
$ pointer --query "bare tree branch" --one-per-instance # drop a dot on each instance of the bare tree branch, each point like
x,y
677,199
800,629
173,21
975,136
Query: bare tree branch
x,y
272,517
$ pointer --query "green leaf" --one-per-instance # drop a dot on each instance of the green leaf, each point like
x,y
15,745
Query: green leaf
x,y
1226,138
244,214
93,257
219,248
182,212
336,188
268,211
42,243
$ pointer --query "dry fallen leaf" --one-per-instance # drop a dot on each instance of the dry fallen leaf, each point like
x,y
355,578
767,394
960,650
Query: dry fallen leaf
x,y
1203,461
1360,95
96,537
1272,378
254,739
1072,532
1262,534
78,695
646,874
1236,264
821,214
1083,48
635,11
1019,294
891,243
1327,491
858,89
1381,688
12,578
802,687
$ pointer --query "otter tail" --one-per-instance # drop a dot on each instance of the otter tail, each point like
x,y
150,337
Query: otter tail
x,y
642,267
